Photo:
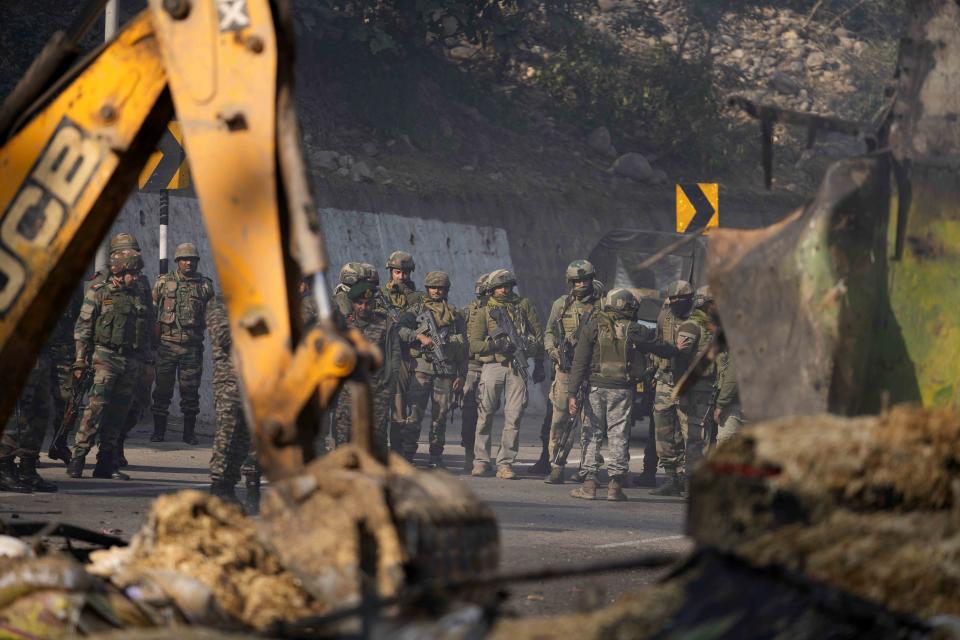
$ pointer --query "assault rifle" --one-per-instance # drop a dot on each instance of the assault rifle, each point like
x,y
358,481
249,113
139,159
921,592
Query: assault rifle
x,y
427,325
563,442
391,310
515,346
566,356
58,446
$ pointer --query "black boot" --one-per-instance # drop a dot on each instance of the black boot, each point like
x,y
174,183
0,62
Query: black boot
x,y
436,461
189,426
75,466
224,490
59,450
672,487
10,478
107,467
159,428
121,459
251,503
30,477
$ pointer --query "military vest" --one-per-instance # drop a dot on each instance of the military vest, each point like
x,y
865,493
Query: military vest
x,y
448,323
181,307
618,360
572,317
668,327
697,323
469,313
122,322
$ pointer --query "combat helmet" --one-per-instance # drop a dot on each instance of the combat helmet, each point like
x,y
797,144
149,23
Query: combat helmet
x,y
580,270
501,278
124,242
186,250
621,301
480,288
679,289
437,279
703,296
125,261
369,274
401,260
351,273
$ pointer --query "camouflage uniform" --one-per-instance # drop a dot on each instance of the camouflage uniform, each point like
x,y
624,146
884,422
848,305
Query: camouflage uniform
x,y
397,298
695,406
566,317
468,405
116,325
61,349
610,356
727,399
24,437
670,444
498,378
379,330
181,303
232,455
428,381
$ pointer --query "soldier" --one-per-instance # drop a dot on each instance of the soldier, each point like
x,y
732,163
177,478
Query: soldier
x,y
379,329
567,315
23,438
181,298
113,335
440,366
727,414
468,405
695,407
610,357
350,274
231,456
398,295
667,418
503,335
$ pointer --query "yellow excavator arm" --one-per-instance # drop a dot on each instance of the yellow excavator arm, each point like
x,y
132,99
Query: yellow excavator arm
x,y
69,161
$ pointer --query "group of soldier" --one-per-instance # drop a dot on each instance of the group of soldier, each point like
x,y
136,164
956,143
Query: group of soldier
x,y
124,337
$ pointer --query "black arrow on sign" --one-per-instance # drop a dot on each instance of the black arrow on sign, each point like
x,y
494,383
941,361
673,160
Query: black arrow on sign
x,y
703,210
170,162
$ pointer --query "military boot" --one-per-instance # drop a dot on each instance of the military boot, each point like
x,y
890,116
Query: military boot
x,y
467,460
615,490
541,467
672,487
159,428
59,450
684,487
224,489
436,461
481,470
121,459
10,477
556,475
587,492
75,466
30,477
107,468
189,426
251,502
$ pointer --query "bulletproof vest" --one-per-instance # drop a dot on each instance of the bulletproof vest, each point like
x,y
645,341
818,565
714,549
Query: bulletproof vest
x,y
122,323
445,318
181,308
668,326
696,323
572,317
618,360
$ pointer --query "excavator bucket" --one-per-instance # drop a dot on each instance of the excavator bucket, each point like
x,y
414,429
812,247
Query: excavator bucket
x,y
850,302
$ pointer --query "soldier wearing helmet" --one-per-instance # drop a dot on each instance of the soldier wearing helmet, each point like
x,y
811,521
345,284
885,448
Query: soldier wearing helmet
x,y
379,329
397,296
675,440
468,404
438,349
504,365
609,359
125,245
115,345
695,409
181,298
568,313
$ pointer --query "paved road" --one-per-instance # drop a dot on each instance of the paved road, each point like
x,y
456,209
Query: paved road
x,y
540,525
